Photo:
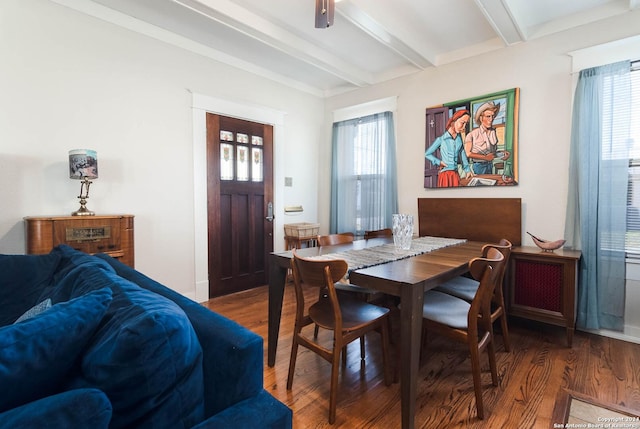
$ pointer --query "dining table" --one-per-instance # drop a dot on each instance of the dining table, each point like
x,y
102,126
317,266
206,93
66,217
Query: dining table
x,y
407,278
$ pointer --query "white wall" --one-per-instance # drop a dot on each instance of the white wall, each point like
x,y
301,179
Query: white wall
x,y
71,81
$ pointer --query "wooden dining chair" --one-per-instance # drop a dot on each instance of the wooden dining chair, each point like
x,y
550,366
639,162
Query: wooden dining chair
x,y
349,319
466,322
465,288
365,294
386,232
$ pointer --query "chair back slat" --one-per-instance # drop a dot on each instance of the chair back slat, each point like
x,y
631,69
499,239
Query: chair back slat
x,y
320,274
487,271
312,271
504,246
333,239
386,232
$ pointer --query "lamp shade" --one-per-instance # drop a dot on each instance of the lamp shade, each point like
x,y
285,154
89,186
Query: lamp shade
x,y
83,163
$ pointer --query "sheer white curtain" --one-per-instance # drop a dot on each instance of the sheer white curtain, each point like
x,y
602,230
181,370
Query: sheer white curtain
x,y
363,175
598,187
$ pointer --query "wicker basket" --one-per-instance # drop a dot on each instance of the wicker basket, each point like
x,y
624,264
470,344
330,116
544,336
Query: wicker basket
x,y
301,230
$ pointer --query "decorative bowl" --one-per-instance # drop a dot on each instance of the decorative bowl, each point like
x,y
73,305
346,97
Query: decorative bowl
x,y
546,245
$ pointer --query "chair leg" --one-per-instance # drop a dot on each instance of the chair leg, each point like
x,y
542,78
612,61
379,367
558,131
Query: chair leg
x,y
333,393
384,332
505,332
292,361
315,332
498,299
362,346
491,351
477,383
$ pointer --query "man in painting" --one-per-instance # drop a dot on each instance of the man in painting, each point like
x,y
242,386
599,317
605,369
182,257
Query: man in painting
x,y
481,144
451,148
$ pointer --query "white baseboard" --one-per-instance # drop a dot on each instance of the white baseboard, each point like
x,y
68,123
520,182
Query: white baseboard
x,y
630,334
202,291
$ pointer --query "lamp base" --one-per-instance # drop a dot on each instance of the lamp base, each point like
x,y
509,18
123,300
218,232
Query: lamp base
x,y
83,211
84,195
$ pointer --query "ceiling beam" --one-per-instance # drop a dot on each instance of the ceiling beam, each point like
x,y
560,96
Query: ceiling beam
x,y
502,20
371,27
257,27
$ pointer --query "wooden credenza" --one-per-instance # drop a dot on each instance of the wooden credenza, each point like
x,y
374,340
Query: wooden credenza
x,y
542,286
111,234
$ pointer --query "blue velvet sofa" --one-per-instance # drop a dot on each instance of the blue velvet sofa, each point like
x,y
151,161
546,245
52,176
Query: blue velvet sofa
x,y
88,342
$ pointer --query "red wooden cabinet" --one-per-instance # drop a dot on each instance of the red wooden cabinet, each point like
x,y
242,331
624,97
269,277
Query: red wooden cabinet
x,y
542,286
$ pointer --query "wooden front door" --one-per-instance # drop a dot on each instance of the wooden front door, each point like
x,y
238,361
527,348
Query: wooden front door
x,y
239,203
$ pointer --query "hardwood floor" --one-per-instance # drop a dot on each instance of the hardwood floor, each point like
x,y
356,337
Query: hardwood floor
x,y
531,376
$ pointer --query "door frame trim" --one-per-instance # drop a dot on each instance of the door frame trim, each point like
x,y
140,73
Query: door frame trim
x,y
201,105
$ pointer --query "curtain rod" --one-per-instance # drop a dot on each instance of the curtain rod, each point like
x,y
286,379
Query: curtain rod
x,y
633,66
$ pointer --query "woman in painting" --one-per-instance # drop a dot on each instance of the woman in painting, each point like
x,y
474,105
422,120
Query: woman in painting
x,y
481,144
451,148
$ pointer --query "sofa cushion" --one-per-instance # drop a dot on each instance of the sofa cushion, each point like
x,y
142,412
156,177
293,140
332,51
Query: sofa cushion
x,y
67,282
22,280
76,283
71,258
145,356
231,351
77,409
36,355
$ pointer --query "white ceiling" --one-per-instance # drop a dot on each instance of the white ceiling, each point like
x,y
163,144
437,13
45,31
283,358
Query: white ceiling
x,y
370,41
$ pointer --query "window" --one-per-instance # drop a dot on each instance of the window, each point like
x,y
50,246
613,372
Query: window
x,y
369,167
626,146
235,162
363,188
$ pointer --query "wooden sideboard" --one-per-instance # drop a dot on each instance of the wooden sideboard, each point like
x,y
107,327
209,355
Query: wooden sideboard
x,y
542,286
111,234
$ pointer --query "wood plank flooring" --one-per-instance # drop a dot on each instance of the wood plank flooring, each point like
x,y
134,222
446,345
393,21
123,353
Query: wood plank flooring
x,y
531,377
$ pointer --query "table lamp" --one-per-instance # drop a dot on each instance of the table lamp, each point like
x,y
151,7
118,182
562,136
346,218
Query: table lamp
x,y
83,165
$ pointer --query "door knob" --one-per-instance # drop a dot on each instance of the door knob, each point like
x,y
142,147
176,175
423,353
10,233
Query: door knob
x,y
270,216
